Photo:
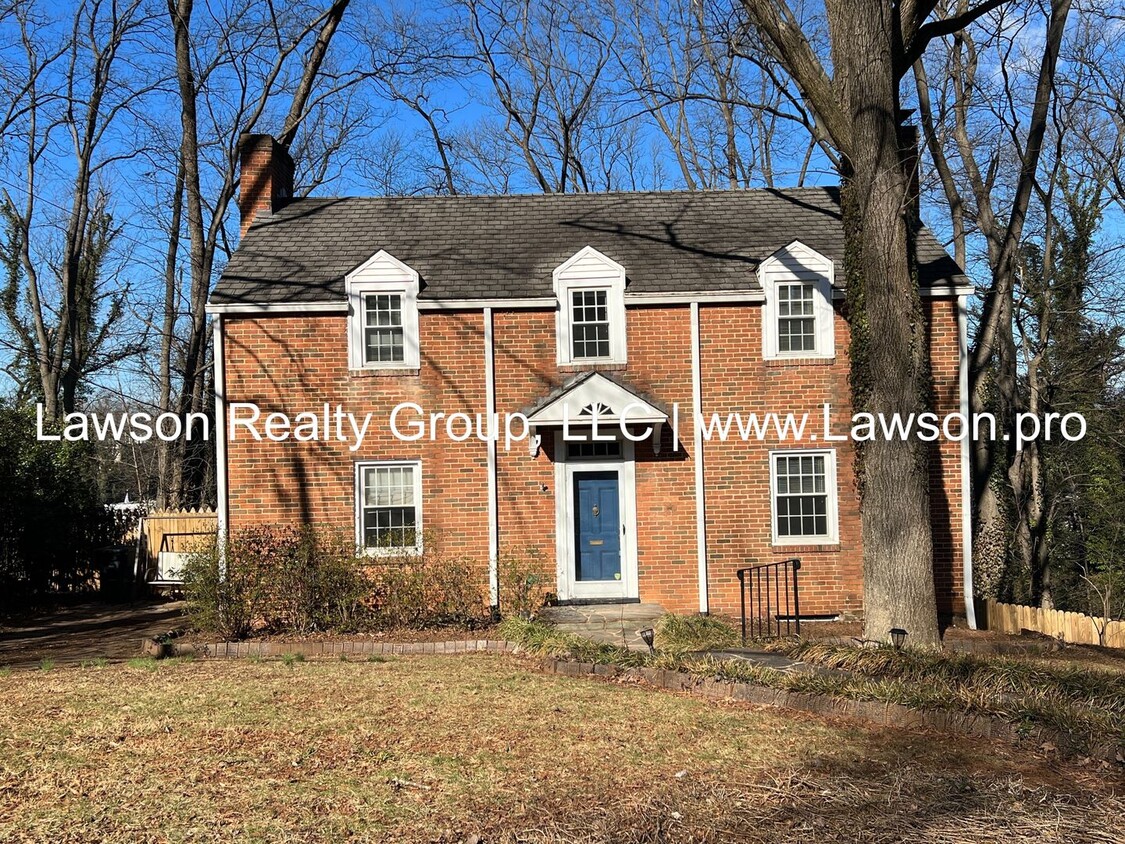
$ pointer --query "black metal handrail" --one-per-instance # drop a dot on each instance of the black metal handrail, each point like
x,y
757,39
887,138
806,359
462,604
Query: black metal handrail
x,y
768,581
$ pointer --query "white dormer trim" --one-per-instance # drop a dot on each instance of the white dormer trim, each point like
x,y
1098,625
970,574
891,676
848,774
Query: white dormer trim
x,y
793,264
590,270
382,273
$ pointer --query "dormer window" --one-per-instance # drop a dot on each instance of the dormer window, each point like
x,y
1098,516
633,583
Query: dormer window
x,y
591,315
384,340
798,316
382,315
589,324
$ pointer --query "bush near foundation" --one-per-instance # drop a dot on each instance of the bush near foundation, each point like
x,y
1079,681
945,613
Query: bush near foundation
x,y
280,579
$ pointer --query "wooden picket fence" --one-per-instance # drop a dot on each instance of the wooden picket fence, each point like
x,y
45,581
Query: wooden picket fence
x,y
1072,627
168,536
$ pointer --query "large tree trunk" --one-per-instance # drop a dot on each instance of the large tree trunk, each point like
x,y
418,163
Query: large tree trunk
x,y
889,346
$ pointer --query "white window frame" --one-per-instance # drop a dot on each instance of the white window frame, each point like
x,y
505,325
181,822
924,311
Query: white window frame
x,y
798,264
384,274
590,270
831,490
360,500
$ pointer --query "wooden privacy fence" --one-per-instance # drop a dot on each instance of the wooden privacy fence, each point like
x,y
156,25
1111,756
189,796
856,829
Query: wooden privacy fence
x,y
168,537
1071,627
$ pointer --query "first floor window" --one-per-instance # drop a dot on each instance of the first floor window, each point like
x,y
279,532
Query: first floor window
x,y
589,324
804,495
383,334
390,505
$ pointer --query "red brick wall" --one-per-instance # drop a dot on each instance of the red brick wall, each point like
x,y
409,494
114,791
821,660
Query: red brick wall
x,y
735,376
737,474
294,363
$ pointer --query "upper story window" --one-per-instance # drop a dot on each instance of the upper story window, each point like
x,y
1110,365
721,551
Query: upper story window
x,y
382,315
591,316
384,340
798,316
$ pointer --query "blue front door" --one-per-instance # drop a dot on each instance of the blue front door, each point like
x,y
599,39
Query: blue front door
x,y
597,523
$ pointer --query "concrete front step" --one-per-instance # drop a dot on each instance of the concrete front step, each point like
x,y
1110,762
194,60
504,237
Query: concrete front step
x,y
609,624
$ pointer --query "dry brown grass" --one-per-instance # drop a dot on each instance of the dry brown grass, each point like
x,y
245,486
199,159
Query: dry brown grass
x,y
440,748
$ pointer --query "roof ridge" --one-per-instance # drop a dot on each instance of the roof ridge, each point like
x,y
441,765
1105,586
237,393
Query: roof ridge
x,y
554,197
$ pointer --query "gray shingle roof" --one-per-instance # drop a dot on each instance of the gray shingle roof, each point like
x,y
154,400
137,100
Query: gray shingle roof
x,y
480,247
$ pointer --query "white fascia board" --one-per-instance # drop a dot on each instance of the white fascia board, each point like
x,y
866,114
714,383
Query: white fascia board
x,y
259,308
688,298
939,292
527,303
545,303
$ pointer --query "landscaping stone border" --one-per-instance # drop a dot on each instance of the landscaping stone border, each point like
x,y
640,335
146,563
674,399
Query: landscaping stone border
x,y
228,650
874,712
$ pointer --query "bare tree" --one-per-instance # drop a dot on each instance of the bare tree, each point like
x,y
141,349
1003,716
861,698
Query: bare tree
x,y
988,135
873,45
254,85
713,91
62,310
546,67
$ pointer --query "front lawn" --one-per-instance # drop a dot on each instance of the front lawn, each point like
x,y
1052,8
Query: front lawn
x,y
442,748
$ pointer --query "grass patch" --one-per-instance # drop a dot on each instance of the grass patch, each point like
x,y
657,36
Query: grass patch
x,y
46,664
291,659
685,633
444,748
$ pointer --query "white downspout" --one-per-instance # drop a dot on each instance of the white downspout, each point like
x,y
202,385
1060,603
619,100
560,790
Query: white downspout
x,y
493,511
222,503
697,436
966,472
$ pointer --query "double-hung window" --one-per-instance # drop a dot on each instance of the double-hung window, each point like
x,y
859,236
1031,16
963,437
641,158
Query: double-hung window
x,y
796,317
589,324
591,315
384,340
383,315
803,488
389,506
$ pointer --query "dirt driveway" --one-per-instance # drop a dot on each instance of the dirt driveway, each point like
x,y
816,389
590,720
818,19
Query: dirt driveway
x,y
87,632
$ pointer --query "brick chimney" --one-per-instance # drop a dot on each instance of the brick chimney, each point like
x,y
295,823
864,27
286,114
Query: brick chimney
x,y
265,180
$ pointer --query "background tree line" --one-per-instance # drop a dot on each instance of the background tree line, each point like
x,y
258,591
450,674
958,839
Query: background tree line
x,y
119,124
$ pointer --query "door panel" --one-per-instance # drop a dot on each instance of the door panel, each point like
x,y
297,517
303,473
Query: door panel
x,y
597,520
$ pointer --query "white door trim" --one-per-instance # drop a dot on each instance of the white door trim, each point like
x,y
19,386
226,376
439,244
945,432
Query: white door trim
x,y
570,589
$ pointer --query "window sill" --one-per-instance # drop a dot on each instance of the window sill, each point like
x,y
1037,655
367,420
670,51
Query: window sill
x,y
390,553
596,366
785,363
827,547
380,372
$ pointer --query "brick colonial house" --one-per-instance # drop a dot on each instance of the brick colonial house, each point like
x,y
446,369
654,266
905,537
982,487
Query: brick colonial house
x,y
659,307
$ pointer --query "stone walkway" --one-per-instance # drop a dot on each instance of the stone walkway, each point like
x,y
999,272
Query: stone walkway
x,y
619,624
607,624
